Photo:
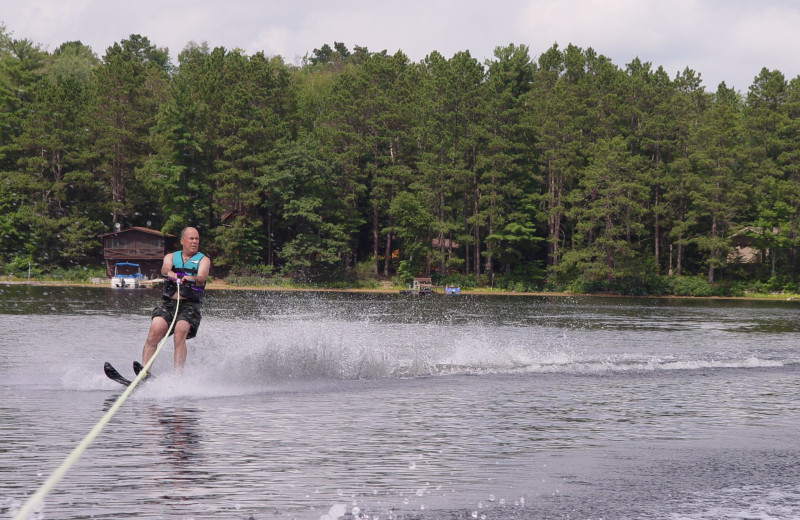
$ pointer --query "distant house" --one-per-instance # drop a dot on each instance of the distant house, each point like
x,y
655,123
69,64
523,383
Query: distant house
x,y
139,245
444,243
744,250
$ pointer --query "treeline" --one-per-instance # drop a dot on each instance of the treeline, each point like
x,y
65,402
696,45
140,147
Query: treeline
x,y
535,173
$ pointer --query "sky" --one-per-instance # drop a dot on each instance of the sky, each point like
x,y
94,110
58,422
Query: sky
x,y
723,40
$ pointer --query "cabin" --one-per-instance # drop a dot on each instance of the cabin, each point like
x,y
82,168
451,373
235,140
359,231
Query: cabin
x,y
744,249
144,246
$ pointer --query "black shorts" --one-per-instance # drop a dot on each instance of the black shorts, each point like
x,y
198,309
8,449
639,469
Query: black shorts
x,y
188,311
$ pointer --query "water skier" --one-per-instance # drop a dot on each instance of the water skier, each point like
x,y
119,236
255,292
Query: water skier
x,y
185,271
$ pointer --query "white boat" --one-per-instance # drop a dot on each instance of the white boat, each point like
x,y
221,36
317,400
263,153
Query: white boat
x,y
127,276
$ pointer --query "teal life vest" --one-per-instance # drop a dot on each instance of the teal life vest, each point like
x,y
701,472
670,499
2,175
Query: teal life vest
x,y
191,267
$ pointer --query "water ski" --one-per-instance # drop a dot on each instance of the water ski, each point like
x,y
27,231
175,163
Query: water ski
x,y
137,367
114,375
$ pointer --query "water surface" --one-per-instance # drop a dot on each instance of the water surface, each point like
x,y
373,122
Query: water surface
x,y
301,405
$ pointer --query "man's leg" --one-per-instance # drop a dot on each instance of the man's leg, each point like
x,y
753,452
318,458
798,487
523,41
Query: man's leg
x,y
158,328
181,332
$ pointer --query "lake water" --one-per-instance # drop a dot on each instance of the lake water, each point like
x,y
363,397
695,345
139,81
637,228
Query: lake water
x,y
320,405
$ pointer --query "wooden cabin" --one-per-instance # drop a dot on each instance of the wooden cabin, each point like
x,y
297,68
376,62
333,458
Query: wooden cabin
x,y
138,245
744,250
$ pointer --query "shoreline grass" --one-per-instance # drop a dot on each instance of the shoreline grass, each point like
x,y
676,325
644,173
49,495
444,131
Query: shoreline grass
x,y
386,288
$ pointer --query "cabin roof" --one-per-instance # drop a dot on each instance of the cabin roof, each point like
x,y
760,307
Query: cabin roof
x,y
137,228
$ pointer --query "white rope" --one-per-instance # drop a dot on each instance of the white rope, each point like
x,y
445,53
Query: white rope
x,y
38,497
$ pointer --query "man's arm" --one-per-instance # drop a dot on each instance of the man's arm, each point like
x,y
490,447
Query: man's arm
x,y
166,267
202,271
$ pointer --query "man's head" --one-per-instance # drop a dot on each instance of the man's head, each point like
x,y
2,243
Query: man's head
x,y
190,240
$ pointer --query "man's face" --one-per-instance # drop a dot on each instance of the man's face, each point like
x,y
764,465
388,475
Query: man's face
x,y
190,241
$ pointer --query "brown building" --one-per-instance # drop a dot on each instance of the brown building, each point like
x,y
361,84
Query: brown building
x,y
745,249
139,245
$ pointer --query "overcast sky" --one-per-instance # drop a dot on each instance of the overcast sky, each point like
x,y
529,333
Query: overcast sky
x,y
723,40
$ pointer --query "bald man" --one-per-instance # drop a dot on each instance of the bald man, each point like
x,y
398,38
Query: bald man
x,y
186,272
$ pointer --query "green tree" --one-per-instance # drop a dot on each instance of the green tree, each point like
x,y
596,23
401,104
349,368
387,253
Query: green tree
x,y
131,84
413,222
558,115
719,192
176,174
388,85
364,118
608,209
690,102
504,163
450,103
650,101
789,162
312,211
772,141
56,156
21,66
251,121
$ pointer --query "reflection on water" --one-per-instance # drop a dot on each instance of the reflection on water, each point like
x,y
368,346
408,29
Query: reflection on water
x,y
296,404
181,438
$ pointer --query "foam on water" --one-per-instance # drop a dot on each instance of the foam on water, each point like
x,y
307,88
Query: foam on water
x,y
238,363
263,352
329,348
745,503
250,341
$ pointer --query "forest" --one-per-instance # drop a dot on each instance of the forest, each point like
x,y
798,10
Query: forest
x,y
559,171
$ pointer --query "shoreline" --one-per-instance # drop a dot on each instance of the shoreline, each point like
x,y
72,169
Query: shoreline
x,y
478,292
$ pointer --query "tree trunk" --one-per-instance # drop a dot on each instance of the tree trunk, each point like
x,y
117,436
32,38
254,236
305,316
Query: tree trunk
x,y
375,262
712,253
553,218
656,237
388,257
476,256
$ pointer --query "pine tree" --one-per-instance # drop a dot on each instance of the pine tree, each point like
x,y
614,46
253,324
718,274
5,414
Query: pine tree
x,y
131,84
719,191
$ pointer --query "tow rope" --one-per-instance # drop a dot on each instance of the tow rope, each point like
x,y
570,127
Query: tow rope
x,y
38,498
